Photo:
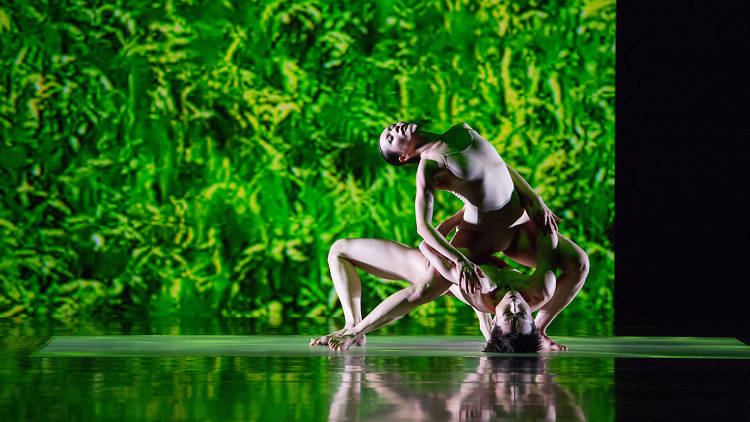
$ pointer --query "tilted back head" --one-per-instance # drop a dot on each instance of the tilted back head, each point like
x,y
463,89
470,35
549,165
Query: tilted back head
x,y
393,141
513,342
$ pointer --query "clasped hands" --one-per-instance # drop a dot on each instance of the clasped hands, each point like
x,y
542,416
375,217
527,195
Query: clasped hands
x,y
469,275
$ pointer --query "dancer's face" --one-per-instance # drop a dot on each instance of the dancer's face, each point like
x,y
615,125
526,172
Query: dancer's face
x,y
513,314
396,138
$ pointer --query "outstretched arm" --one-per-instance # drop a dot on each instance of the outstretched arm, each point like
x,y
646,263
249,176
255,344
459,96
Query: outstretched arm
x,y
532,201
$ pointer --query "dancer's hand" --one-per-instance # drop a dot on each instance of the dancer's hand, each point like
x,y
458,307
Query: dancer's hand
x,y
468,275
542,216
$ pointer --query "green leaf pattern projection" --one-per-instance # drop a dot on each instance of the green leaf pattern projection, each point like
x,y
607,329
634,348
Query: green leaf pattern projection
x,y
202,156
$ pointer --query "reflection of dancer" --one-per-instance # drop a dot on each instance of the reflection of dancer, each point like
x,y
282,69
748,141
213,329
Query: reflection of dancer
x,y
494,218
513,387
397,402
500,388
345,403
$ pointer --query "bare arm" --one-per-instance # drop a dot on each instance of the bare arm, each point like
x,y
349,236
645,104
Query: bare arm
x,y
532,202
468,273
522,186
423,205
442,264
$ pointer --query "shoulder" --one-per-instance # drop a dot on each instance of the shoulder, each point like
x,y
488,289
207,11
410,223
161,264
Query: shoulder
x,y
462,125
462,131
427,167
427,172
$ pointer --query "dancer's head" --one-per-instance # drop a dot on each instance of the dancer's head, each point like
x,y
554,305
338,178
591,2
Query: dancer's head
x,y
397,144
513,328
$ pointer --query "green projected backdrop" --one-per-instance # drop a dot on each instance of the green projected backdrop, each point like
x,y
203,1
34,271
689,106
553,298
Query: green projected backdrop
x,y
201,157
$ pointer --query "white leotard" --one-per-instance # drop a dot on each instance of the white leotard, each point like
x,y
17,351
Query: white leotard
x,y
477,176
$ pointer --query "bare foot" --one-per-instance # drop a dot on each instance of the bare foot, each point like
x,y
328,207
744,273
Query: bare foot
x,y
344,341
549,345
323,341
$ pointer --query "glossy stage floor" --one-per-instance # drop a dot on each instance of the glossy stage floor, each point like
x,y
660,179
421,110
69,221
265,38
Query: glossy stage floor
x,y
395,377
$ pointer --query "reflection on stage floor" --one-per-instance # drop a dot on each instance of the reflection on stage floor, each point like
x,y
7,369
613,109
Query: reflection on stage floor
x,y
168,374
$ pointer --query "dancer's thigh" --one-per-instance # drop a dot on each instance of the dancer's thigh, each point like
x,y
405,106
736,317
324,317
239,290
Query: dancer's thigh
x,y
383,258
482,244
523,249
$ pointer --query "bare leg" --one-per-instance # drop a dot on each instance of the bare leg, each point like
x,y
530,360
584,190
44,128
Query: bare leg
x,y
430,287
382,258
345,402
573,263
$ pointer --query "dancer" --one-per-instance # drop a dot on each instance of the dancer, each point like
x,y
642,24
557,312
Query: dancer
x,y
495,218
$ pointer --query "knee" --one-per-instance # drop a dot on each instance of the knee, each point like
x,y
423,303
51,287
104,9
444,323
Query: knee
x,y
583,265
417,293
337,249
578,266
425,292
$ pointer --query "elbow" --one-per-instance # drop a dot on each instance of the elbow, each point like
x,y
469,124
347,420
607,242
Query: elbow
x,y
423,248
422,229
578,269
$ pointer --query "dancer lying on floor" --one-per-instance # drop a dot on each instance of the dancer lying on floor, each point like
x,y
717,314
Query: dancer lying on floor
x,y
510,295
501,213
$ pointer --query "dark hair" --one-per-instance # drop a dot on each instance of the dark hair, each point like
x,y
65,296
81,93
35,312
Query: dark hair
x,y
392,157
513,342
